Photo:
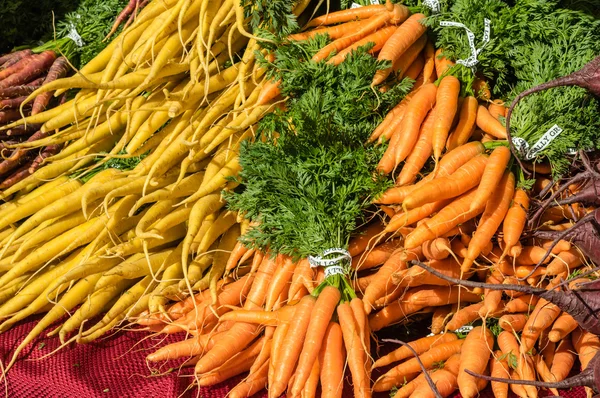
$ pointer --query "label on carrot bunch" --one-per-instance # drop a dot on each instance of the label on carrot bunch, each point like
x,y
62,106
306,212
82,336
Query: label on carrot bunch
x,y
73,35
334,270
433,5
319,261
529,153
472,60
356,5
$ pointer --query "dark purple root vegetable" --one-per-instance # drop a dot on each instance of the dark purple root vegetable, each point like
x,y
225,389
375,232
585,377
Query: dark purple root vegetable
x,y
16,158
11,103
12,58
423,368
39,159
24,129
59,69
19,91
583,304
15,177
587,77
589,377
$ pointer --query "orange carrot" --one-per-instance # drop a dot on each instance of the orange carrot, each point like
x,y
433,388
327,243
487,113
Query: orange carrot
x,y
303,276
186,348
541,318
321,315
464,316
392,314
466,124
564,359
269,91
474,355
420,346
398,43
402,64
462,180
381,284
278,338
436,249
544,372
429,68
240,334
378,38
499,368
291,346
417,276
386,133
565,261
420,153
252,384
377,256
497,109
410,217
236,254
447,105
396,375
515,219
442,64
513,322
415,70
491,298
489,124
417,109
442,295
347,15
364,239
492,217
586,345
440,317
482,89
492,175
334,32
331,358
280,281
450,216
355,351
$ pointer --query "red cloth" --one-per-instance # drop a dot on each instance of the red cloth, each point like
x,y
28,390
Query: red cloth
x,y
114,366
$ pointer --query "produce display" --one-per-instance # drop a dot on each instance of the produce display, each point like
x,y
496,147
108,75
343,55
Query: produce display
x,y
278,184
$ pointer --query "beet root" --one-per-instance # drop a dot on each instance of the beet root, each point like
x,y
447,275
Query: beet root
x,y
583,303
589,194
587,77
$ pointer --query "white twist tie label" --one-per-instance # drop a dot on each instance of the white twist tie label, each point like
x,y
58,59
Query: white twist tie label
x,y
319,261
356,5
529,153
334,270
472,60
433,5
73,35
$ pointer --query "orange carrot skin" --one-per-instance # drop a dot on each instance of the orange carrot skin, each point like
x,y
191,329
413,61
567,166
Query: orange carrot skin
x,y
379,37
447,100
448,187
28,69
563,361
542,317
420,346
364,239
489,124
492,175
466,124
396,376
442,64
410,217
417,109
421,152
497,109
410,55
255,382
494,214
586,345
464,316
515,219
347,15
475,355
321,315
331,358
334,32
355,351
292,346
499,368
512,322
382,283
429,67
59,69
398,43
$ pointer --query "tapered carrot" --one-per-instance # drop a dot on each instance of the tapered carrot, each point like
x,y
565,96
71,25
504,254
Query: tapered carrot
x,y
493,173
292,346
448,187
464,316
396,113
347,15
278,338
280,281
586,345
420,346
252,384
492,298
497,109
429,67
381,284
355,351
499,368
393,313
420,153
410,217
541,318
378,38
186,348
334,32
494,214
398,43
331,358
564,359
236,254
565,261
364,239
524,303
474,355
400,67
440,317
269,91
466,124
416,276
513,322
396,375
321,315
442,64
447,106
489,124
377,256
436,249
442,295
450,216
515,219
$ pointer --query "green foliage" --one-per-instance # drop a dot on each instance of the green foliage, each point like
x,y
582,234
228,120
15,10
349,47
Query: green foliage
x,y
271,15
122,162
92,21
308,177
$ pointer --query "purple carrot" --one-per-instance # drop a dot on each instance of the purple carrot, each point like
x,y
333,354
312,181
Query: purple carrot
x,y
583,303
16,157
10,115
18,91
23,130
9,166
13,58
11,103
15,177
39,159
589,194
59,69
587,77
27,69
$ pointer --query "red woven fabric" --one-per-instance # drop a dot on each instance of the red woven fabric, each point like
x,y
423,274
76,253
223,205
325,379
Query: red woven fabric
x,y
112,367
